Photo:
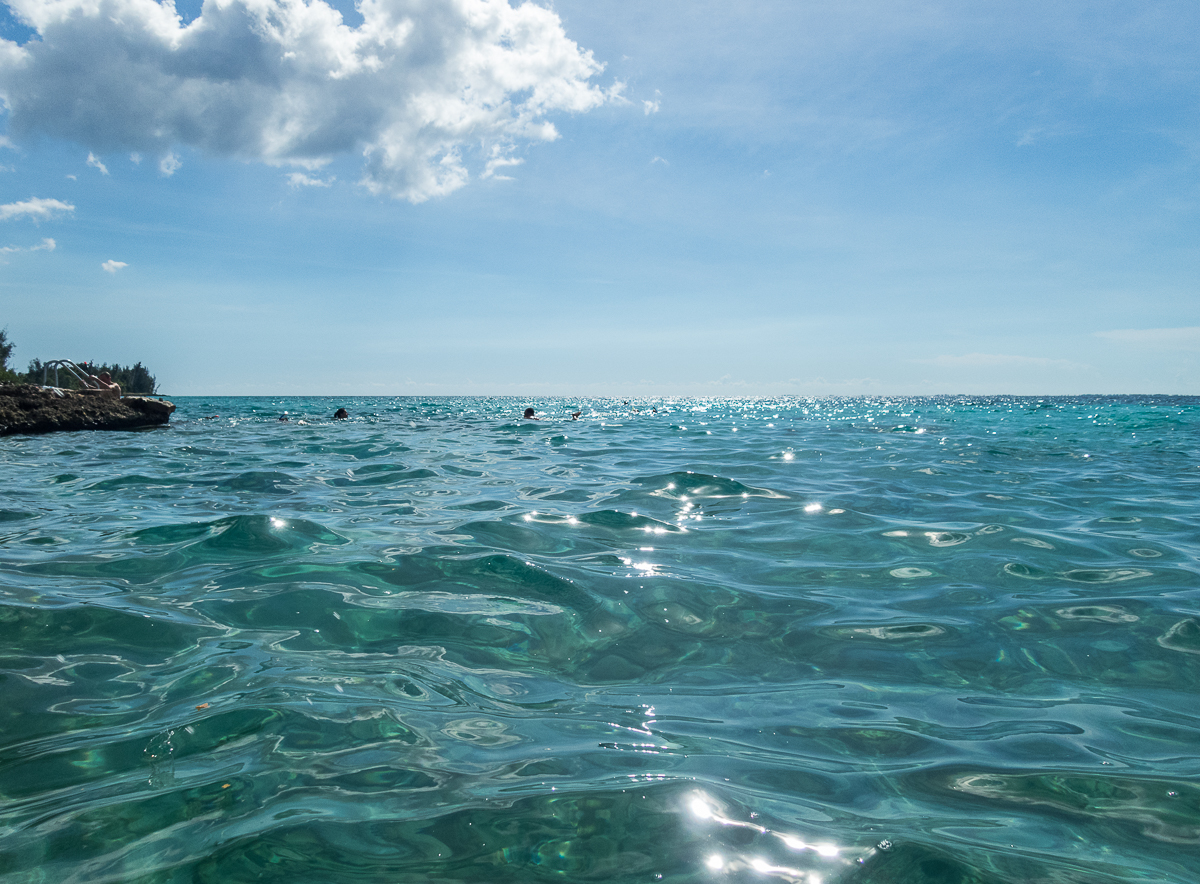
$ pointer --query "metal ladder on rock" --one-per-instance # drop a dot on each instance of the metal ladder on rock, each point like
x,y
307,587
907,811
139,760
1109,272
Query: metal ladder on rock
x,y
85,379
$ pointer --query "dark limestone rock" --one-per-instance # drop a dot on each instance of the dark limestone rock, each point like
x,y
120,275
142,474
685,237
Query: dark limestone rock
x,y
32,409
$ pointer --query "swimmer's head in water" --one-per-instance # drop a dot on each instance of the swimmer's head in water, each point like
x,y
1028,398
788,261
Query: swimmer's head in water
x,y
528,412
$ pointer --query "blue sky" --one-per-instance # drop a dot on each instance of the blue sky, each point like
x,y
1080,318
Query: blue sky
x,y
799,198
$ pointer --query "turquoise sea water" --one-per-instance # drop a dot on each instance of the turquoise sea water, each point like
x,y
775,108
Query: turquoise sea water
x,y
818,641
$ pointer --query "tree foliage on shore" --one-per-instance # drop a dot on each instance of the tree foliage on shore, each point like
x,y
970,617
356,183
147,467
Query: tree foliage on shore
x,y
135,379
7,375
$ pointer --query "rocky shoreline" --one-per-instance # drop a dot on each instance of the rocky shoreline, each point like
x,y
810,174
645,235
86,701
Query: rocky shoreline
x,y
33,409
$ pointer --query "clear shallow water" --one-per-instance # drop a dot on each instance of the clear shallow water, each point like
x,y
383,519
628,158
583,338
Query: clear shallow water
x,y
798,641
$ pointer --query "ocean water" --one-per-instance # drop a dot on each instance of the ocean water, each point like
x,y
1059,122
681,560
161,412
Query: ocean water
x,y
815,641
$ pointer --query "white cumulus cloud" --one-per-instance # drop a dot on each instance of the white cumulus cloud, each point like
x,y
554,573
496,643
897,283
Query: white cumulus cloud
x,y
421,89
35,208
111,266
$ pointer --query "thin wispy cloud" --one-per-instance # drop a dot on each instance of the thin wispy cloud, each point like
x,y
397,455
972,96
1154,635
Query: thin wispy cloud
x,y
95,163
422,90
46,245
299,179
1028,137
169,164
998,360
36,208
499,159
1185,338
111,266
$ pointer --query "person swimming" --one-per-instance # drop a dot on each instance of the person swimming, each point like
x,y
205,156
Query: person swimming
x,y
341,414
530,416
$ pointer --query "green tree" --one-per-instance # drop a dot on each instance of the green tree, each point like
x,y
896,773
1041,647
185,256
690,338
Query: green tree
x,y
7,375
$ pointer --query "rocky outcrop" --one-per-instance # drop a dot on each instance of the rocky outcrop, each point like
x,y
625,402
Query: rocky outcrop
x,y
32,409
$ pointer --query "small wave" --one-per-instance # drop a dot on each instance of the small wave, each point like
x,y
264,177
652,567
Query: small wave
x,y
939,538
1104,575
619,521
244,534
515,578
482,506
1098,614
995,730
689,484
1025,572
888,632
1183,636
947,538
1143,803
260,482
910,573
481,732
137,480
520,536
460,603
1032,541
380,474
96,629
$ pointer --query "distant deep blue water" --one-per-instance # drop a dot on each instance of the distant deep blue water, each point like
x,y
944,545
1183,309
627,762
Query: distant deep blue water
x,y
818,641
